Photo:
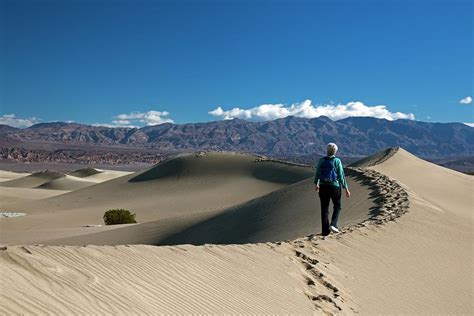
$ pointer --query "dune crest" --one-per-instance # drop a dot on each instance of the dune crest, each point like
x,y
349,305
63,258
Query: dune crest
x,y
375,159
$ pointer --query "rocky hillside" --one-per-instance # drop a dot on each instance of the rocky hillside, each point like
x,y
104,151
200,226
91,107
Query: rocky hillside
x,y
290,136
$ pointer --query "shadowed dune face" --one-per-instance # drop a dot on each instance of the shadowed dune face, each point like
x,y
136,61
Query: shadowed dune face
x,y
284,214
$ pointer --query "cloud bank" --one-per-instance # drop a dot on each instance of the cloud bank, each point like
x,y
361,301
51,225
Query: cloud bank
x,y
466,100
12,120
306,109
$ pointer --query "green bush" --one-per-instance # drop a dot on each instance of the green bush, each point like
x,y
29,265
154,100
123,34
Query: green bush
x,y
119,216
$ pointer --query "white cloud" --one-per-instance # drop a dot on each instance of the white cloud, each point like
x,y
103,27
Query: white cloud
x,y
12,120
466,100
142,118
469,124
137,119
113,125
121,122
306,109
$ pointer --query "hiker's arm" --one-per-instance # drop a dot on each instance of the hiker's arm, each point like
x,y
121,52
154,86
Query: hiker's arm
x,y
342,178
316,177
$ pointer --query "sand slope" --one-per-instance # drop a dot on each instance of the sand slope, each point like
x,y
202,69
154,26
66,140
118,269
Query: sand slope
x,y
146,279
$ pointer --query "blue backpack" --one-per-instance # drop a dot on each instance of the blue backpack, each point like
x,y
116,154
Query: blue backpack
x,y
327,170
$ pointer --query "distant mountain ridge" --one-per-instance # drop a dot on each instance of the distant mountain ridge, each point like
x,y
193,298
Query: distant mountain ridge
x,y
356,136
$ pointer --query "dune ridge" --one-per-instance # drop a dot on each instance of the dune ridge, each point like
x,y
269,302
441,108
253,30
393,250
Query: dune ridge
x,y
375,159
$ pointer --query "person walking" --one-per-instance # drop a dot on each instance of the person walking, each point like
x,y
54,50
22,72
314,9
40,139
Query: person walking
x,y
329,181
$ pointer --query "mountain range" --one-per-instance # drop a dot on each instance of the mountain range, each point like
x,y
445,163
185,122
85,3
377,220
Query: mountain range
x,y
290,136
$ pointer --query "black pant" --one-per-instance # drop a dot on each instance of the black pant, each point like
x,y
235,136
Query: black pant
x,y
326,193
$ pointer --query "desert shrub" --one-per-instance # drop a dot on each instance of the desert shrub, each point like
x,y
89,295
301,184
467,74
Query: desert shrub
x,y
119,216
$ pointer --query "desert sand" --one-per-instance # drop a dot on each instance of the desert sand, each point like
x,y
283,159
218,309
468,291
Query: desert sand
x,y
238,230
188,199
8,175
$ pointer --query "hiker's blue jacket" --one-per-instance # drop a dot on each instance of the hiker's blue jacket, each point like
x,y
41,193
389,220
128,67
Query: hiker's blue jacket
x,y
341,179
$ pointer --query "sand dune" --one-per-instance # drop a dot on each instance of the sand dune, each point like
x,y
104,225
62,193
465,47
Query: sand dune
x,y
66,183
54,180
17,188
187,196
181,186
418,262
99,175
287,213
284,214
84,172
33,180
9,175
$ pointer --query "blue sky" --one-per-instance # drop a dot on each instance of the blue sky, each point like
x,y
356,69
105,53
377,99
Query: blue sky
x,y
146,62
